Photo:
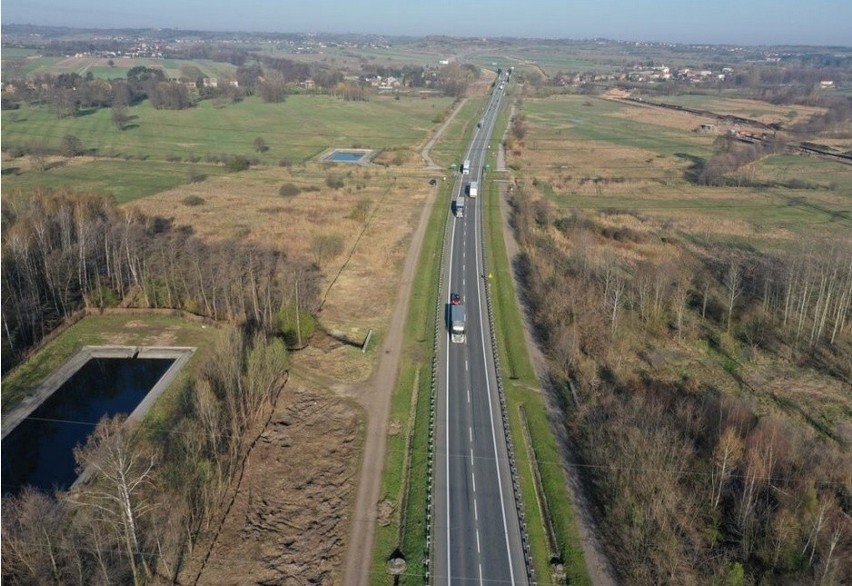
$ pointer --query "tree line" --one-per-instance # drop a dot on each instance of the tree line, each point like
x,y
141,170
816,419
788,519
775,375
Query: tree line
x,y
688,483
63,250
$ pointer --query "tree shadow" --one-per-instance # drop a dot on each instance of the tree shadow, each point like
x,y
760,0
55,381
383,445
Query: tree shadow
x,y
693,172
11,171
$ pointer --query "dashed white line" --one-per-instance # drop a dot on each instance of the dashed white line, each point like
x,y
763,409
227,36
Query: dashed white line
x,y
478,550
475,511
470,434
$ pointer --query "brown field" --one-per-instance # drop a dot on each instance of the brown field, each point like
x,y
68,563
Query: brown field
x,y
248,205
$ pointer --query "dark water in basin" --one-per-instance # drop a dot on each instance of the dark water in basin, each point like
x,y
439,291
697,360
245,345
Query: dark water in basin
x,y
39,450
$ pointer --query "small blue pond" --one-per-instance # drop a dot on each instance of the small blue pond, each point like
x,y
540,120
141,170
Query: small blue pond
x,y
346,156
39,451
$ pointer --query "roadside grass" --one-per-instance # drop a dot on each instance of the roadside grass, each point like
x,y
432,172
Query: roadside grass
x,y
99,330
449,149
418,348
126,180
296,129
523,394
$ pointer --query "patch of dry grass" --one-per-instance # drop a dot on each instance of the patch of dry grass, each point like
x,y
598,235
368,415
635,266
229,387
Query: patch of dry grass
x,y
359,286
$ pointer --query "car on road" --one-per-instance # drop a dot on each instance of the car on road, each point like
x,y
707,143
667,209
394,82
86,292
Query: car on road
x,y
455,299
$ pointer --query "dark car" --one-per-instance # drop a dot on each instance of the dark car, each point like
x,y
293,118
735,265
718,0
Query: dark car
x,y
455,299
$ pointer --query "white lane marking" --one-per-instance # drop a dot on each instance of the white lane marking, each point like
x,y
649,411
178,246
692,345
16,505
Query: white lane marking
x,y
447,412
477,544
475,511
468,395
470,433
466,365
482,322
480,574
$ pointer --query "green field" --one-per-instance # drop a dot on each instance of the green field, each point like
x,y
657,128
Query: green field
x,y
297,129
126,180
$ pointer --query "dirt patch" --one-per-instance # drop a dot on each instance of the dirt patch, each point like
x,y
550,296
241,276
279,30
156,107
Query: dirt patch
x,y
383,515
291,515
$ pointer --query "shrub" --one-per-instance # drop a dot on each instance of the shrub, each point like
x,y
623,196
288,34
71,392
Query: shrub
x,y
172,158
334,181
237,163
289,190
285,163
193,200
287,319
196,176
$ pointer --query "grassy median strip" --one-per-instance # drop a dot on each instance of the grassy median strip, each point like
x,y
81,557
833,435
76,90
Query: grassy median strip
x,y
522,393
407,529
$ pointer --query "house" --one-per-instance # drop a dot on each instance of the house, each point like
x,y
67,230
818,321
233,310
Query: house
x,y
210,82
826,84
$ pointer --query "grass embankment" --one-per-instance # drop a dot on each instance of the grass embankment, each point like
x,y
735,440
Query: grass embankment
x,y
449,149
526,406
415,379
99,330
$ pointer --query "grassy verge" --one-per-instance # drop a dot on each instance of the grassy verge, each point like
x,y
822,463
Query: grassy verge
x,y
449,149
418,347
522,393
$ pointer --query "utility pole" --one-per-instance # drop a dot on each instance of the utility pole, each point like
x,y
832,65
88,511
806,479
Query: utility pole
x,y
298,325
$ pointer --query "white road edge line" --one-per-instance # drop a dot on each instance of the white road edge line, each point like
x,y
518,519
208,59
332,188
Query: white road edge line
x,y
480,270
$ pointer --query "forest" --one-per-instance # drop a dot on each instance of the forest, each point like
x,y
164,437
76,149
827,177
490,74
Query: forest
x,y
698,470
65,250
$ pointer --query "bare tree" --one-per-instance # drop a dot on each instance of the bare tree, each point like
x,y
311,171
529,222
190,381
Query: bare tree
x,y
733,286
121,473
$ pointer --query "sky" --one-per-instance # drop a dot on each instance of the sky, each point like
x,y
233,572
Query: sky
x,y
737,22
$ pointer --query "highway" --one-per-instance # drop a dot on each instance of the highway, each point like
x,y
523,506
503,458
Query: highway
x,y
475,522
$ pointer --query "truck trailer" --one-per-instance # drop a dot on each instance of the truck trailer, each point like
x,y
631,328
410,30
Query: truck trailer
x,y
457,324
458,207
473,189
466,167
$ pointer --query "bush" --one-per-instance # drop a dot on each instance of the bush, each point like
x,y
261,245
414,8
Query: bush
x,y
334,181
285,163
289,190
71,146
173,158
193,200
237,163
196,176
287,319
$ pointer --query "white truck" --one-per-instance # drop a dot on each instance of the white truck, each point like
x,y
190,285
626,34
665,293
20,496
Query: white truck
x,y
466,167
457,324
473,189
458,207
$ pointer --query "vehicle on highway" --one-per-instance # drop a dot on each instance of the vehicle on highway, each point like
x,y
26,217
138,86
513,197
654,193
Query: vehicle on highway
x,y
458,207
455,299
473,189
465,167
457,324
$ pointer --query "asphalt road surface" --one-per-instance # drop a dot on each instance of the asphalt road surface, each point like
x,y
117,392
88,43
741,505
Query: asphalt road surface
x,y
476,528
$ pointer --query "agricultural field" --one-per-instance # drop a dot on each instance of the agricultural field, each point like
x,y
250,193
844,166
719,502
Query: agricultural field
x,y
296,130
597,154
